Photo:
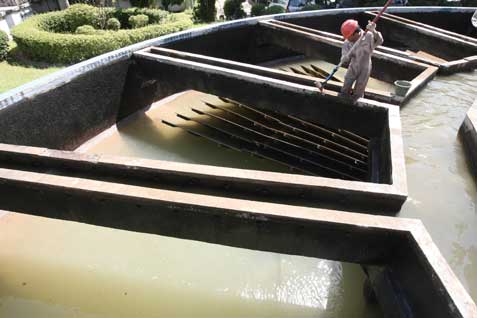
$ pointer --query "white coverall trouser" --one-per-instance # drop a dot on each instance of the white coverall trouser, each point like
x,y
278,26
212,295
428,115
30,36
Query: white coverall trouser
x,y
360,64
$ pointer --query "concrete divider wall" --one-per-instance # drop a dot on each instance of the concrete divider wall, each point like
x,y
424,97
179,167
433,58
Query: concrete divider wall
x,y
64,117
411,277
66,108
405,268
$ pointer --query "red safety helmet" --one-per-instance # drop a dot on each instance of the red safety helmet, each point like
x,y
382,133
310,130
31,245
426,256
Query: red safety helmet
x,y
349,27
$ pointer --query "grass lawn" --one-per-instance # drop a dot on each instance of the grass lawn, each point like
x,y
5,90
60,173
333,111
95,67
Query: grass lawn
x,y
18,70
14,74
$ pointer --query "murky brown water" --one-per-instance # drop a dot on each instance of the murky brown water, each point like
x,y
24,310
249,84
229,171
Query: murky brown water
x,y
56,269
442,193
147,137
53,268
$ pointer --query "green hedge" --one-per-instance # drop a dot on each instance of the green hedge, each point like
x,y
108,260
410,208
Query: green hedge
x,y
233,9
274,10
138,21
85,29
258,9
204,11
113,24
154,15
35,40
3,45
82,14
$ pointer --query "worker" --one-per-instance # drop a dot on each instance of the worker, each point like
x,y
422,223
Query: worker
x,y
359,59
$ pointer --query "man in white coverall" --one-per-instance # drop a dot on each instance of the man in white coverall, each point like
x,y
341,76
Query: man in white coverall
x,y
359,61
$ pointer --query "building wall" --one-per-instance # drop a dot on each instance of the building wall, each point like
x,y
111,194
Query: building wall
x,y
11,16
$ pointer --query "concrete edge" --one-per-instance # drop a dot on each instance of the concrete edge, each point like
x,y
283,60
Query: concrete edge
x,y
431,255
468,134
398,163
242,208
457,299
68,74
398,190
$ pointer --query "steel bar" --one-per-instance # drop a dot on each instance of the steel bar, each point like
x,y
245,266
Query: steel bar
x,y
284,126
264,144
311,72
303,152
232,143
353,144
297,71
358,140
292,136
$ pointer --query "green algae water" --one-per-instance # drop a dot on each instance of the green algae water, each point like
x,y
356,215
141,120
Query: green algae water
x,y
54,268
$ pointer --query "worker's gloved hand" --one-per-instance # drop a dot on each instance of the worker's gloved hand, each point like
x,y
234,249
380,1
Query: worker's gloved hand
x,y
371,26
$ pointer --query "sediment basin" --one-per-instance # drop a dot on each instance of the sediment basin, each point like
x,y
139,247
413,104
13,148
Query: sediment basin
x,y
57,268
164,276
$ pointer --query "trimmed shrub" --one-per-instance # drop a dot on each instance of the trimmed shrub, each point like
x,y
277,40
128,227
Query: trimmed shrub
x,y
155,15
274,10
78,15
138,21
3,45
205,11
258,9
101,17
233,9
55,23
64,21
85,29
36,42
113,24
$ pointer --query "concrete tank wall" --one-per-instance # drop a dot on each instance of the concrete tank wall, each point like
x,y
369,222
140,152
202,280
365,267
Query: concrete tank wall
x,y
66,108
